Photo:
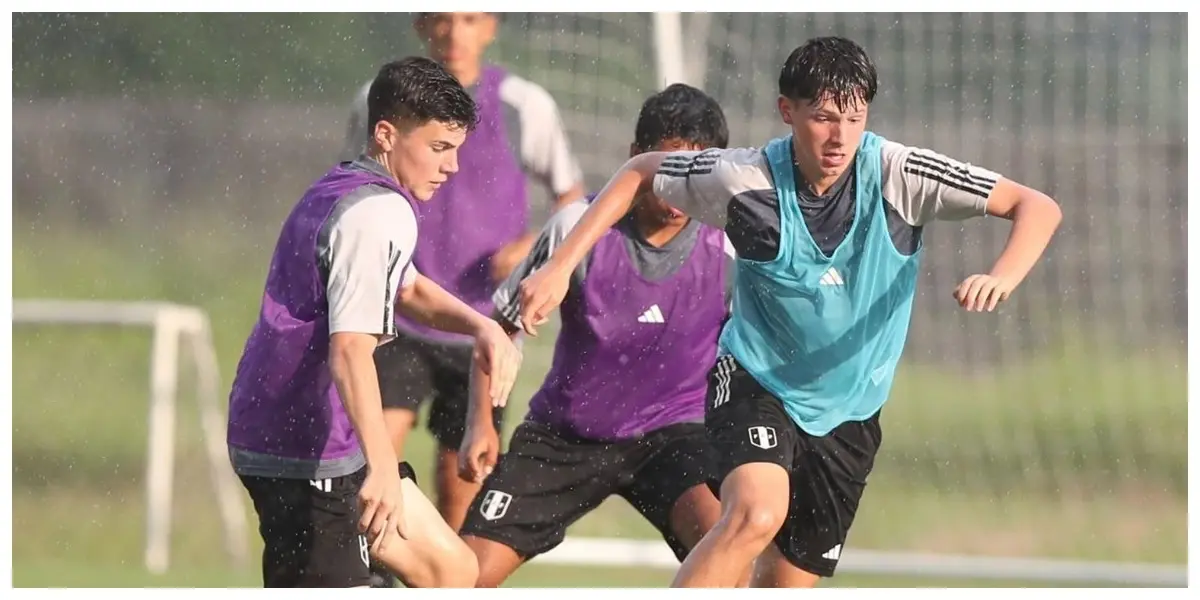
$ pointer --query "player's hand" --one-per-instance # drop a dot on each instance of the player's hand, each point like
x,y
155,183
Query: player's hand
x,y
381,503
499,358
982,292
478,454
541,293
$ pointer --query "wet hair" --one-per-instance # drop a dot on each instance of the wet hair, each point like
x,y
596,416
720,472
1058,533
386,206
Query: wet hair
x,y
829,68
681,112
415,90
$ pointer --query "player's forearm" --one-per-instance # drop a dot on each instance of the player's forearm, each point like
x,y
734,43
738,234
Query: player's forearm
x,y
479,410
480,407
352,367
609,206
1034,220
427,303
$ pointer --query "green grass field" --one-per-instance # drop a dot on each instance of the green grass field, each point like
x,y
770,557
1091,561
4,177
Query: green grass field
x,y
1080,453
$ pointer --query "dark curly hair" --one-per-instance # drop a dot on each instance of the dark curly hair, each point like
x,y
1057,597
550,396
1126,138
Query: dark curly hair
x,y
684,113
415,90
829,68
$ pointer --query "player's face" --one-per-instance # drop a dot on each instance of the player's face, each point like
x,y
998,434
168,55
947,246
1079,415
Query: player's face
x,y
826,136
457,40
421,157
652,209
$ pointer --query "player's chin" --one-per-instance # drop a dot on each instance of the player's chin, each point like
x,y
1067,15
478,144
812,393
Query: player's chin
x,y
425,193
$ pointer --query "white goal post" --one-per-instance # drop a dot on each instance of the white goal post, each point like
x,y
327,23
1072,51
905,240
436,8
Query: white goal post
x,y
174,328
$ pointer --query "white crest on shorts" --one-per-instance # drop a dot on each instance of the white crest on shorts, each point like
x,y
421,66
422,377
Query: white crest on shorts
x,y
495,504
763,437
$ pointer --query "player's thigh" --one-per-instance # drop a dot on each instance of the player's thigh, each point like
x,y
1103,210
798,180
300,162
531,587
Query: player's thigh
x,y
828,480
431,555
310,531
745,423
452,396
669,486
406,374
542,485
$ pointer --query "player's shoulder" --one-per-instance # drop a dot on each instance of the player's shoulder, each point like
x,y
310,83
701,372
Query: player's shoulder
x,y
373,207
526,96
739,169
564,219
897,156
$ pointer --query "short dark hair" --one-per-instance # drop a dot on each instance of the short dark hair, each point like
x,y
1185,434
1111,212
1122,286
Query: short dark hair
x,y
681,112
832,68
416,90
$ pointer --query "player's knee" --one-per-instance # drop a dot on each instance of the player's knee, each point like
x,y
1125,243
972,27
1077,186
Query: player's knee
x,y
456,568
753,522
489,579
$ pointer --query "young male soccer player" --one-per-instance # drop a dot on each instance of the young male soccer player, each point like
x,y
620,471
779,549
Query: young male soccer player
x,y
827,226
622,408
472,235
306,430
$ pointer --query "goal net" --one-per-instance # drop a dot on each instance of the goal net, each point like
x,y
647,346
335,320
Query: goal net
x,y
179,335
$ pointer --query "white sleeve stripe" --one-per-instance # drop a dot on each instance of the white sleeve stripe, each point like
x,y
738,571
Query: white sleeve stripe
x,y
389,294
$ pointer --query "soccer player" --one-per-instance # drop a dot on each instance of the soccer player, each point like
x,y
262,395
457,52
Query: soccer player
x,y
306,432
642,304
472,235
827,225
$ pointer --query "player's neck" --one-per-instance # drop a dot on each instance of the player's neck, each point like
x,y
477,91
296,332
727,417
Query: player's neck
x,y
375,155
657,233
815,181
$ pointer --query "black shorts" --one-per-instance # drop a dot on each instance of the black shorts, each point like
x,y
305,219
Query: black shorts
x,y
310,530
547,481
412,370
747,424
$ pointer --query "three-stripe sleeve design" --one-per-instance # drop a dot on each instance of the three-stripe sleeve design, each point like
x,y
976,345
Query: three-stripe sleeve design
x,y
925,186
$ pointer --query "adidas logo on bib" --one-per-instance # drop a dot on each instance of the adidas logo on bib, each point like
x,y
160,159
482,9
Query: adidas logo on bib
x,y
832,277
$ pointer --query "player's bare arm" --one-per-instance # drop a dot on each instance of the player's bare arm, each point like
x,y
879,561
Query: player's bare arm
x,y
352,369
480,448
427,302
1035,217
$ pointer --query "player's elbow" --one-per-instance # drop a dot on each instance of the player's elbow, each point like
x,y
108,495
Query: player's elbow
x,y
347,349
1011,200
1039,210
1048,211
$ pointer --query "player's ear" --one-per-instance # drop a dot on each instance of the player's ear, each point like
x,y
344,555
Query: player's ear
x,y
785,110
385,135
421,25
